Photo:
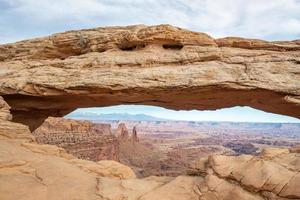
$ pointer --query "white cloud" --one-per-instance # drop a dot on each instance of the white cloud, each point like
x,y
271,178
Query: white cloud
x,y
272,20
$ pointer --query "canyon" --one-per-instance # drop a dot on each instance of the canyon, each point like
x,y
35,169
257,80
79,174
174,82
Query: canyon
x,y
150,65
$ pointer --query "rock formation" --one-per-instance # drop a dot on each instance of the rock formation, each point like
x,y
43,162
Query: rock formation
x,y
71,125
172,67
122,132
82,139
272,175
151,65
242,148
134,137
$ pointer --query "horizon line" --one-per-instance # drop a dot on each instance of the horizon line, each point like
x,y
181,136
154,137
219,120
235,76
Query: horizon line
x,y
174,120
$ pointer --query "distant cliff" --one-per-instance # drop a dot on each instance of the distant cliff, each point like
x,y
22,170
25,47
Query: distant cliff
x,y
83,139
112,116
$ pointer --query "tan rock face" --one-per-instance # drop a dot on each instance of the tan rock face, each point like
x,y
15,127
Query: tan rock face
x,y
272,175
71,125
82,139
153,65
4,110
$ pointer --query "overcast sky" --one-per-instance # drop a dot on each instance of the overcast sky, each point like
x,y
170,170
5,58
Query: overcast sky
x,y
269,20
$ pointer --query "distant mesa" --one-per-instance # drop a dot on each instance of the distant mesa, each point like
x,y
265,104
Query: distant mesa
x,y
83,139
112,116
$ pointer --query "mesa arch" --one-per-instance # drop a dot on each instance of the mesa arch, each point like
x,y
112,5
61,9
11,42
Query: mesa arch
x,y
151,65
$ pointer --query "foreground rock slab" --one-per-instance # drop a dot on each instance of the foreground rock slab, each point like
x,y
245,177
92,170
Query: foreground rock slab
x,y
272,175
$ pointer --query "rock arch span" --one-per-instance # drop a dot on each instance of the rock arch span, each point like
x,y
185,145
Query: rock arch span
x,y
151,65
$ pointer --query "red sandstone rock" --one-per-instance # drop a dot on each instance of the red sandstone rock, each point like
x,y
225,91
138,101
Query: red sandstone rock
x,y
134,136
122,131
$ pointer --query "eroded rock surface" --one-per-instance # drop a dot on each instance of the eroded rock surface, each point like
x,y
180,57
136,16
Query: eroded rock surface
x,y
152,65
72,125
122,132
134,136
272,175
83,139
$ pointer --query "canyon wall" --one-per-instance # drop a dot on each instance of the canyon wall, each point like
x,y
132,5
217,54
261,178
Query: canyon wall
x,y
151,65
82,139
87,140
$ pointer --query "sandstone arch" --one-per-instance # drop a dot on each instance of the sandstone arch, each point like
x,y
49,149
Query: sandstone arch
x,y
152,65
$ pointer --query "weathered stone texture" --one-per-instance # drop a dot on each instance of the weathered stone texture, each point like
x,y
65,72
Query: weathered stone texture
x,y
83,139
152,65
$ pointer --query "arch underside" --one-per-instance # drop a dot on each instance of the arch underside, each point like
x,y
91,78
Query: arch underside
x,y
34,110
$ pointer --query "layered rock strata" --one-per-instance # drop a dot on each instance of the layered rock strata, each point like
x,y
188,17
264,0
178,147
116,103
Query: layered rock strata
x,y
82,139
274,174
151,65
134,136
122,132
